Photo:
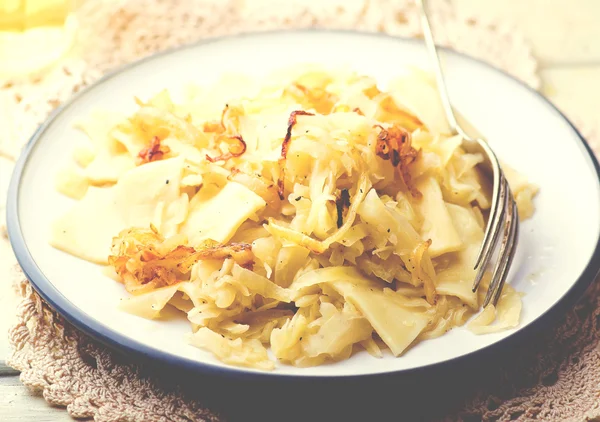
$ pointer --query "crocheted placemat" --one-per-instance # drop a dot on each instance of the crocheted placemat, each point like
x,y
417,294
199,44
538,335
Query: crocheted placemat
x,y
555,377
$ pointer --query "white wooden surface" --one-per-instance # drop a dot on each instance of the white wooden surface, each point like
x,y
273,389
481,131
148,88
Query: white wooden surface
x,y
566,39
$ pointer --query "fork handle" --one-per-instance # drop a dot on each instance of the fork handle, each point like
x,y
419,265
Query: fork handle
x,y
439,74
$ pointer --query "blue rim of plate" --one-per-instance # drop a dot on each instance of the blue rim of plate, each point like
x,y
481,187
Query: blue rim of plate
x,y
114,340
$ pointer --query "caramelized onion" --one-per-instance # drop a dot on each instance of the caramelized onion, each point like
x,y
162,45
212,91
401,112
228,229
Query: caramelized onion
x,y
394,144
154,152
145,260
285,147
235,150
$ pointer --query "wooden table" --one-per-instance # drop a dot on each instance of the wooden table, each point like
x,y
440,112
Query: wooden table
x,y
566,40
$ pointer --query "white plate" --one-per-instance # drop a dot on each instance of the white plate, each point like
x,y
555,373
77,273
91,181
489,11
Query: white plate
x,y
558,254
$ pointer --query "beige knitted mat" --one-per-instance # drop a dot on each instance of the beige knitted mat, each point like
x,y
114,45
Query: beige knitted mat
x,y
554,377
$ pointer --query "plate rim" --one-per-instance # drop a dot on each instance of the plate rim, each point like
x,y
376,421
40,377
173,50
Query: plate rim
x,y
119,342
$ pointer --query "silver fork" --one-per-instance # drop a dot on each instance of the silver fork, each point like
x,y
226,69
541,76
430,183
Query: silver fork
x,y
503,211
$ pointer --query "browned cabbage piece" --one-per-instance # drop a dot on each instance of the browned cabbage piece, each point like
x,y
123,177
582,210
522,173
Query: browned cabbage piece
x,y
145,260
394,144
390,112
151,121
285,147
153,152
227,130
317,98
236,149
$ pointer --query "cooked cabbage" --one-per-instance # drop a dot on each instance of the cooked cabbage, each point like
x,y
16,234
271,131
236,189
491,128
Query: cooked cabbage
x,y
316,214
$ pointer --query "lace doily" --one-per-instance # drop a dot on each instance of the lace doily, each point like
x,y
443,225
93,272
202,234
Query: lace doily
x,y
70,369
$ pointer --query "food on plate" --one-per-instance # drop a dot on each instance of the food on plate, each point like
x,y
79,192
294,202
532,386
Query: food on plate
x,y
315,214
